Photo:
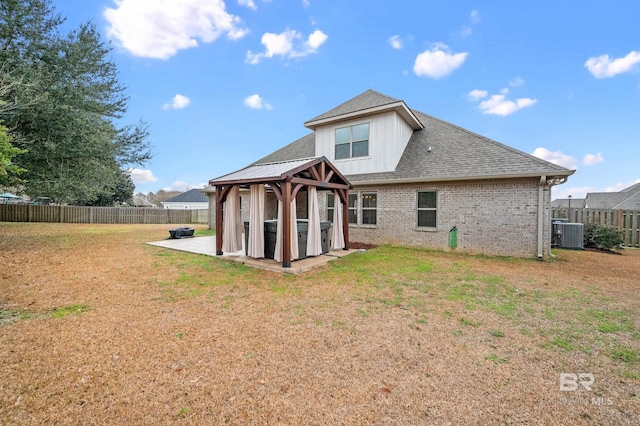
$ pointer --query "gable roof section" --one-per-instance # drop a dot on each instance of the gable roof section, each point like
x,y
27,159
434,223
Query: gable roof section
x,y
366,104
303,170
456,154
191,196
443,151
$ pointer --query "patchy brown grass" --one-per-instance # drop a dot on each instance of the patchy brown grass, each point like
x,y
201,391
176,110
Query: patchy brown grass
x,y
97,327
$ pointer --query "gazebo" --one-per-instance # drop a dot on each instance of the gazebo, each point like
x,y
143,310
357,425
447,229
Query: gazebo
x,y
285,179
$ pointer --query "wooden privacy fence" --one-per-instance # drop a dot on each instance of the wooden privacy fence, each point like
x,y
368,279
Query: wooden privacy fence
x,y
628,221
114,215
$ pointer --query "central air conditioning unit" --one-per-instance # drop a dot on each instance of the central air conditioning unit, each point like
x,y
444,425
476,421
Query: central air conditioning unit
x,y
568,235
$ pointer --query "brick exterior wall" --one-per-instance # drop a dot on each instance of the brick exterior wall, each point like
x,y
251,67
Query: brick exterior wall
x,y
492,217
497,217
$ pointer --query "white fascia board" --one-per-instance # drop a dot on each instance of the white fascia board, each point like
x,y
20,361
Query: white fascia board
x,y
399,107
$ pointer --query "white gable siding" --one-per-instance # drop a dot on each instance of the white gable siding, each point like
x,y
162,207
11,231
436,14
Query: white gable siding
x,y
388,137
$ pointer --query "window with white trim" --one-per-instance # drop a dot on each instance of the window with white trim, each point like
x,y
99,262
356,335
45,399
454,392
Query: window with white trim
x,y
353,208
369,208
330,205
427,209
352,141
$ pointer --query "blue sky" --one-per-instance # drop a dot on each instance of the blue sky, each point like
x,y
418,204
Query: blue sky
x,y
224,83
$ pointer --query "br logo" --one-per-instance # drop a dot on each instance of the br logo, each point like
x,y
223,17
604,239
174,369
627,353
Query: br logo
x,y
572,381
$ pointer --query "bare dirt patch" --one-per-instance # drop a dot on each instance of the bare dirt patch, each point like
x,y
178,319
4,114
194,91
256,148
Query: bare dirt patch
x,y
390,336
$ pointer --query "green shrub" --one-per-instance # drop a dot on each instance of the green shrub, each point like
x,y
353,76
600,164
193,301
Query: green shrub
x,y
603,237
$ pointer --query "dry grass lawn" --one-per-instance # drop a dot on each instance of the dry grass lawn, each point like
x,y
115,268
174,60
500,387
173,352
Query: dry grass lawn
x,y
98,328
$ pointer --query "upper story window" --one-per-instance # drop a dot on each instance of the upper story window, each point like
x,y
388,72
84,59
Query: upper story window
x,y
352,141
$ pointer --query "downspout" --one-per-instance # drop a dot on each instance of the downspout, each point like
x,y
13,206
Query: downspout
x,y
543,183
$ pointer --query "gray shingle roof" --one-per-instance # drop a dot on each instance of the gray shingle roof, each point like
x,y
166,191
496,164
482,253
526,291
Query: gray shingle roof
x,y
305,147
626,199
456,153
366,100
191,196
563,203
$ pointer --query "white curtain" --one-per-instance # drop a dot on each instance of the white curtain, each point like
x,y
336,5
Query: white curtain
x,y
314,242
231,234
277,255
337,236
256,222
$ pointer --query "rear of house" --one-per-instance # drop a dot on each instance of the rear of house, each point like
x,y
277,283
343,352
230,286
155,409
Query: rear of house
x,y
415,178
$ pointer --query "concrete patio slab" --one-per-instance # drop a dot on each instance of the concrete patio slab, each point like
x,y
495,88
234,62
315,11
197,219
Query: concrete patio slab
x,y
207,246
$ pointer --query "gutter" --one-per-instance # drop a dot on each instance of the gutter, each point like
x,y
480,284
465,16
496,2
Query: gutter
x,y
391,181
543,183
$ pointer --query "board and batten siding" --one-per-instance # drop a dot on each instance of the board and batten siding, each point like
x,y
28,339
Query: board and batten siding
x,y
388,138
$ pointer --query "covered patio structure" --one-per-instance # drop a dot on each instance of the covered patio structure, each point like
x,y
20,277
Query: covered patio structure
x,y
285,179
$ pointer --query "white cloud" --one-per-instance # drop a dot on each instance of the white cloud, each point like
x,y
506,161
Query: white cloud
x,y
605,67
395,42
256,102
563,192
160,28
476,94
504,91
437,62
306,3
315,40
500,105
556,157
619,186
178,102
141,176
516,82
182,186
249,3
591,159
475,16
287,45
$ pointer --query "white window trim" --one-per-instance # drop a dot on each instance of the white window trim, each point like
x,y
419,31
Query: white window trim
x,y
351,158
436,209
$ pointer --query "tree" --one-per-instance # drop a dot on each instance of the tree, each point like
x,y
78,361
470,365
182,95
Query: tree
x,y
64,108
9,172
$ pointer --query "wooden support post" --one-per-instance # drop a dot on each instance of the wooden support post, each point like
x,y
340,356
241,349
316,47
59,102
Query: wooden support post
x,y
286,224
219,219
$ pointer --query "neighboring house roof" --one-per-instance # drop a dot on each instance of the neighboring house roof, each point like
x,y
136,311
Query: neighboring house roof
x,y
191,196
626,199
563,203
141,202
441,151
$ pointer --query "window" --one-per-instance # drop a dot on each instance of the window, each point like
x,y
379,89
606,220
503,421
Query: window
x,y
427,208
352,141
365,203
353,208
369,208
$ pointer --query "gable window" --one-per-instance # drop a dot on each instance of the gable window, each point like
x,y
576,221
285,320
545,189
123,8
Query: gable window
x,y
369,208
352,141
427,209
